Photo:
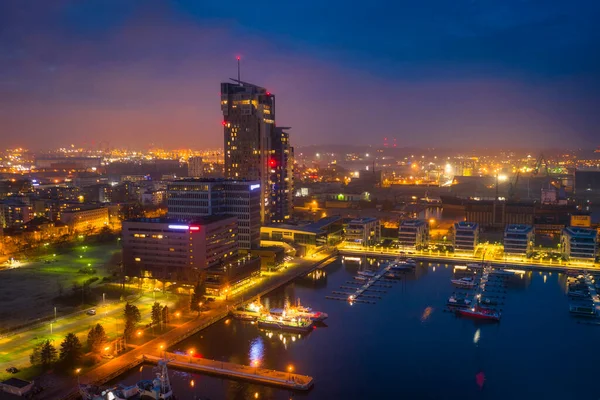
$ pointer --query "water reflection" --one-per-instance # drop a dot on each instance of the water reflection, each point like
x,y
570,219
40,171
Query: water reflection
x,y
257,351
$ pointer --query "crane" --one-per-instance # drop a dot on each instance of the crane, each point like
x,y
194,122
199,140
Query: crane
x,y
512,187
541,159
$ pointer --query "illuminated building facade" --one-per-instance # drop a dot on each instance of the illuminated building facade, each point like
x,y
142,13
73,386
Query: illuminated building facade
x,y
191,198
579,243
81,219
519,239
466,236
413,234
255,149
363,231
170,249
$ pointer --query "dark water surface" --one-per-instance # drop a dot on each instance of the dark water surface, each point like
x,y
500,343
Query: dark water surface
x,y
407,345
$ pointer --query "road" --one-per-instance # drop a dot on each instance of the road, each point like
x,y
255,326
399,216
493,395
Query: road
x,y
15,349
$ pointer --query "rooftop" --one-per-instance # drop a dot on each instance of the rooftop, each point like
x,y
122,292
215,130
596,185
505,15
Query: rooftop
x,y
363,220
205,220
412,222
16,382
466,225
519,228
581,232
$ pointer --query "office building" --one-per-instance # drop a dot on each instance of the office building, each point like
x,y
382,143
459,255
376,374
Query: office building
x,y
169,249
363,231
256,150
192,198
579,243
519,240
413,234
466,236
195,167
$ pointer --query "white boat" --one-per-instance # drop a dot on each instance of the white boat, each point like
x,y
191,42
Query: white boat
x,y
361,278
411,262
369,274
474,266
308,312
463,282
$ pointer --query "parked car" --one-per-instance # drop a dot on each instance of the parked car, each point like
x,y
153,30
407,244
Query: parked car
x,y
12,370
91,312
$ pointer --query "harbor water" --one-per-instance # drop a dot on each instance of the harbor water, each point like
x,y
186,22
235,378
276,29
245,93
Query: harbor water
x,y
406,345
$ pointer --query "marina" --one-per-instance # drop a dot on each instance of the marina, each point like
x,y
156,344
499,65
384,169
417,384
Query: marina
x,y
529,302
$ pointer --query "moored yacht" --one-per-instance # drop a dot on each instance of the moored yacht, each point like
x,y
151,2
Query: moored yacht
x,y
467,282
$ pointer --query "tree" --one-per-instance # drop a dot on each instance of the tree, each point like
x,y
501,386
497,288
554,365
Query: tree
x,y
197,296
156,313
43,354
165,315
71,350
132,318
96,338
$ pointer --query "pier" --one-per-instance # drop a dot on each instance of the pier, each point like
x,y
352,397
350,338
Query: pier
x,y
359,294
259,375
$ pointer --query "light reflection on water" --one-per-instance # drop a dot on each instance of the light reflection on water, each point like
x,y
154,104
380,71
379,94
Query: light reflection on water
x,y
257,351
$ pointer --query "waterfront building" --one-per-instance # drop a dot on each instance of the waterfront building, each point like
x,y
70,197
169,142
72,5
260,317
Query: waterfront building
x,y
255,149
192,198
363,231
195,167
579,243
307,238
169,249
519,240
413,233
85,218
466,236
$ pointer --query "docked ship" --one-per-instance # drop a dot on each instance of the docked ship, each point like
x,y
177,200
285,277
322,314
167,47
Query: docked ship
x,y
466,282
480,313
584,310
458,302
285,323
299,311
249,312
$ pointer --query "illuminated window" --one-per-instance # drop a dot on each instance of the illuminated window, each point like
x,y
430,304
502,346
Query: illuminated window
x,y
138,259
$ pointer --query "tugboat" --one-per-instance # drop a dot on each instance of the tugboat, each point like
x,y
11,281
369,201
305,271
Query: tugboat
x,y
160,387
467,282
481,313
458,302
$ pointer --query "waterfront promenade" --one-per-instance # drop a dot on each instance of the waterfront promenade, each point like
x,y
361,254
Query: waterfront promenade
x,y
259,375
119,365
452,258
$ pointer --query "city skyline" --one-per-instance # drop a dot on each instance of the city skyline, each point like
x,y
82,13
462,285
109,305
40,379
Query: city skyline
x,y
477,75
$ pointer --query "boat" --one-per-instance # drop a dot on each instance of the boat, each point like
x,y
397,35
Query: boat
x,y
361,278
502,272
467,282
391,275
243,315
583,310
474,266
369,274
458,302
160,387
479,312
401,266
249,312
578,293
488,302
411,262
285,323
308,312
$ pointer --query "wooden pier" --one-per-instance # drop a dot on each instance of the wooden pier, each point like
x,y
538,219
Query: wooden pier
x,y
259,375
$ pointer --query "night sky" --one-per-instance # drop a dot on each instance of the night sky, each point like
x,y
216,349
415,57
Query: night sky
x,y
430,73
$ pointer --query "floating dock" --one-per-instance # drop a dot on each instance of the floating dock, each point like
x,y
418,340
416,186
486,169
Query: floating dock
x,y
235,371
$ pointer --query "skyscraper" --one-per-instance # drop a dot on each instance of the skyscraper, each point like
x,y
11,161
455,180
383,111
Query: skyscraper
x,y
248,122
281,175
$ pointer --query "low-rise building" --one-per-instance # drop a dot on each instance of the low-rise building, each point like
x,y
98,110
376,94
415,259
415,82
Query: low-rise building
x,y
363,231
519,240
16,386
414,234
85,218
579,243
308,237
466,236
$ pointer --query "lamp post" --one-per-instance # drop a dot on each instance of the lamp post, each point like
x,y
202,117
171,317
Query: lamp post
x,y
55,314
290,369
191,354
77,371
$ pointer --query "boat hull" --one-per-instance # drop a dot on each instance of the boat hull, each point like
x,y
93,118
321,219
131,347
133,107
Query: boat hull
x,y
284,327
478,315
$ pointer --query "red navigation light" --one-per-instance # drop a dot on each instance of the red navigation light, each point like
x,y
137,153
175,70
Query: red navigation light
x,y
268,93
272,163
194,228
238,58
224,123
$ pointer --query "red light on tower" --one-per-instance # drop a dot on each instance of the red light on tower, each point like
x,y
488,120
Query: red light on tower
x,y
224,123
268,93
272,163
238,58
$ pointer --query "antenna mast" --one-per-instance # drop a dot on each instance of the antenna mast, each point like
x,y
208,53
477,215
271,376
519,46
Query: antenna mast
x,y
238,61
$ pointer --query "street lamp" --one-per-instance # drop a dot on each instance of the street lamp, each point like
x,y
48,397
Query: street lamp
x,y
162,349
290,369
255,364
191,354
77,371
